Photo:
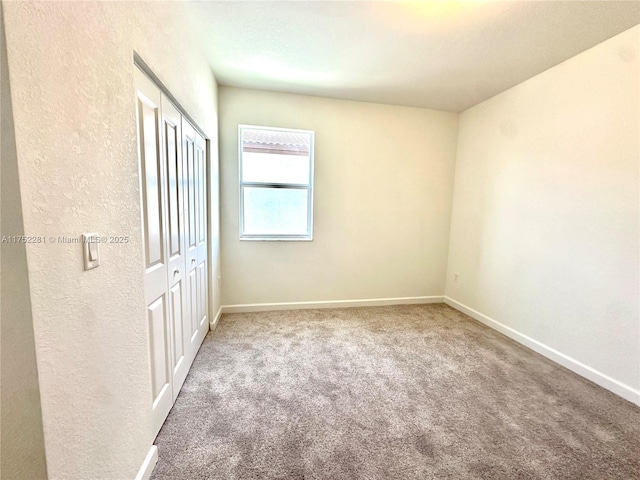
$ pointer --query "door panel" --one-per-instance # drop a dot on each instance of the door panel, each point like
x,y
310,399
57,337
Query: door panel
x,y
193,302
174,188
193,186
177,314
152,186
201,211
160,361
172,123
202,295
202,190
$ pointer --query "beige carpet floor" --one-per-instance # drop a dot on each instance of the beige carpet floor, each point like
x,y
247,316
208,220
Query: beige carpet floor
x,y
402,392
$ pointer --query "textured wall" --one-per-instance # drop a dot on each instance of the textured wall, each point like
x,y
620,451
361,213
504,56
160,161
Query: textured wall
x,y
382,200
21,436
71,69
544,231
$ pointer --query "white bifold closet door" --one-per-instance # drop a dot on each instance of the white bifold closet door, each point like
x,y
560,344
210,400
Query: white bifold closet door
x,y
173,169
196,233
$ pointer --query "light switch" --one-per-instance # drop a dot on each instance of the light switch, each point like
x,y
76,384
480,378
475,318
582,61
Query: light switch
x,y
90,243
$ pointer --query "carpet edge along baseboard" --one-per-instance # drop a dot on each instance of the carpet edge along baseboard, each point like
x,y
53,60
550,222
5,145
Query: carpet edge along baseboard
x,y
367,302
605,381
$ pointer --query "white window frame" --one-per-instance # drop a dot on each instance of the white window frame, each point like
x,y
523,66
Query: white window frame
x,y
308,236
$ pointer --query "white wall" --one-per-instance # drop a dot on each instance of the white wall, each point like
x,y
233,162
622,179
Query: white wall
x,y
71,71
21,435
383,179
544,232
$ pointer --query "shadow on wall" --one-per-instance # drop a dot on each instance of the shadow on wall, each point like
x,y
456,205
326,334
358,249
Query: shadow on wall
x,y
21,437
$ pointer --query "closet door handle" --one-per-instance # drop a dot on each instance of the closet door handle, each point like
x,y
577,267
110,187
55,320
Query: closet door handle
x,y
193,260
176,271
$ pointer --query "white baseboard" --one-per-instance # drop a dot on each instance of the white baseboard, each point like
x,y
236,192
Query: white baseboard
x,y
599,378
148,465
214,323
370,302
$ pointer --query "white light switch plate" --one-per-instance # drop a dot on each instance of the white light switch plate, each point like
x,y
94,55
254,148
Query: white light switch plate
x,y
91,248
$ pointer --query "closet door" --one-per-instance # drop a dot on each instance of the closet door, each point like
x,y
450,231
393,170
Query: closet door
x,y
188,149
195,186
201,244
176,250
173,169
153,180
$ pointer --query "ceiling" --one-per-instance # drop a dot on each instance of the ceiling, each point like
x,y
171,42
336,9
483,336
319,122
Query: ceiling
x,y
445,55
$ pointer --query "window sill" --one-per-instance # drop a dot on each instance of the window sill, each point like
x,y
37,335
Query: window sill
x,y
275,239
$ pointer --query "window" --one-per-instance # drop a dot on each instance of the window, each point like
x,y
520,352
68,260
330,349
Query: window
x,y
276,183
